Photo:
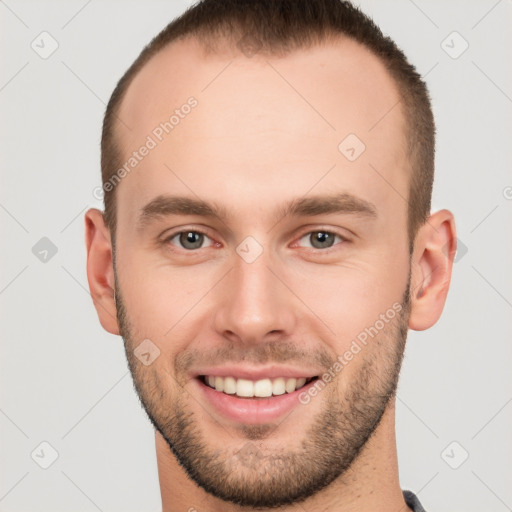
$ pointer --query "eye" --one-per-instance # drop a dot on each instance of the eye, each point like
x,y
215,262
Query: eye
x,y
188,240
321,239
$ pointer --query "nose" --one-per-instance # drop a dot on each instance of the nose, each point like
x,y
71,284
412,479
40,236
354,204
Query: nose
x,y
255,303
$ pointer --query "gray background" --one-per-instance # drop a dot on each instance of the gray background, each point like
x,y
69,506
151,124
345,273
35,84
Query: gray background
x,y
65,381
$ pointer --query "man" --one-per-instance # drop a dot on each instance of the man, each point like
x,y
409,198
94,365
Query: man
x,y
267,241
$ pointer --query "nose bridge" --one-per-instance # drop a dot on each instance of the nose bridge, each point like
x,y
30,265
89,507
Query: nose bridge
x,y
254,301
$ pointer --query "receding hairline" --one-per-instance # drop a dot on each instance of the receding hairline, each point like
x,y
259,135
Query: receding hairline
x,y
225,47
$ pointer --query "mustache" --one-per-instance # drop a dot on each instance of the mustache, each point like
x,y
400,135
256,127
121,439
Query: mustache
x,y
256,354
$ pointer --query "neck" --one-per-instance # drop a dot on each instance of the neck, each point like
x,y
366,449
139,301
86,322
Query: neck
x,y
370,484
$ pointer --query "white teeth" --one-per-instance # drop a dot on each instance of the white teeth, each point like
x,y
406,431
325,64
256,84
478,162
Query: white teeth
x,y
260,388
230,385
300,382
278,386
219,383
244,387
290,385
263,388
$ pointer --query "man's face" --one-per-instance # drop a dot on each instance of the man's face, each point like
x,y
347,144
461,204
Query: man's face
x,y
290,300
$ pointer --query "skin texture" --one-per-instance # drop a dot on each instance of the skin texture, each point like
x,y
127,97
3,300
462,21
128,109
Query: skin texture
x,y
266,131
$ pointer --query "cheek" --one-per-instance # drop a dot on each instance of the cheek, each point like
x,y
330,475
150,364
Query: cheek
x,y
163,303
349,299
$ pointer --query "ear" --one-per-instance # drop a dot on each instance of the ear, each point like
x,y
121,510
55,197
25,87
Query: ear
x,y
432,261
100,269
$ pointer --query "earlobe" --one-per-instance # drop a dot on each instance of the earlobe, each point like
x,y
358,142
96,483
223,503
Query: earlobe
x,y
100,270
432,262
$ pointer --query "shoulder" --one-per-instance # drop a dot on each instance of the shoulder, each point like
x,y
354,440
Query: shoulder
x,y
413,502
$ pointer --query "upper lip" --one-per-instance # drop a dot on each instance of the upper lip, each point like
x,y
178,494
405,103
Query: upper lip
x,y
256,373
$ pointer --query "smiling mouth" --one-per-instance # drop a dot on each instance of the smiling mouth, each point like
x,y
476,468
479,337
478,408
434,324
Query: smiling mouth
x,y
263,388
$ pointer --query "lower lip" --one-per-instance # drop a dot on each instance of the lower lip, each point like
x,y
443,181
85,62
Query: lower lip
x,y
252,410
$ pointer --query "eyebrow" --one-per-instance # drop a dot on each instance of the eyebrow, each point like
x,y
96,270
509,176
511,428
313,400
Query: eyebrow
x,y
165,205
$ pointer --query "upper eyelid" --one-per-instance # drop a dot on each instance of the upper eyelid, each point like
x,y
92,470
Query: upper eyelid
x,y
169,234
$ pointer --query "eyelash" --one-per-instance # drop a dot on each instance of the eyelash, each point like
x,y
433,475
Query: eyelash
x,y
344,239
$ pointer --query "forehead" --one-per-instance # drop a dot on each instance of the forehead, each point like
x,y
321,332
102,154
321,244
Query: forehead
x,y
262,122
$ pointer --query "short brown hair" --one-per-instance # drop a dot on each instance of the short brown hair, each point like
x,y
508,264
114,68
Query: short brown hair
x,y
280,27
